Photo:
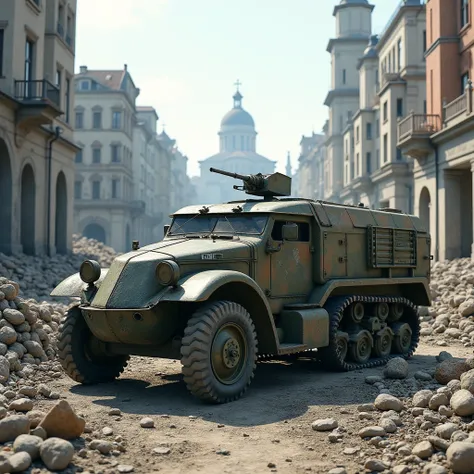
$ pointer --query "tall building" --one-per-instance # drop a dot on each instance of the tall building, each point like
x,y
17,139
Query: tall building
x,y
37,48
311,167
237,154
439,138
353,29
392,82
123,169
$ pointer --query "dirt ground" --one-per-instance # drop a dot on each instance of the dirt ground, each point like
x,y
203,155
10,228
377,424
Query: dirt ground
x,y
268,430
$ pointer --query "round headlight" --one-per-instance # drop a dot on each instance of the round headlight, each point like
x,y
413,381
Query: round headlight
x,y
167,273
89,271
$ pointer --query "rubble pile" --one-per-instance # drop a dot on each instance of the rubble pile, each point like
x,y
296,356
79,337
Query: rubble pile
x,y
450,319
429,430
39,275
27,332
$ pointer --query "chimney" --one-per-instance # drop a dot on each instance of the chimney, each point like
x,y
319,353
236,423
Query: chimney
x,y
124,67
83,69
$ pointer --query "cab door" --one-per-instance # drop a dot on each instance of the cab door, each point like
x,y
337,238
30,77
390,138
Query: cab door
x,y
291,265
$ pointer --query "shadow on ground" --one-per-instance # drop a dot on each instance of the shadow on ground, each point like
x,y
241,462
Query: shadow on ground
x,y
280,391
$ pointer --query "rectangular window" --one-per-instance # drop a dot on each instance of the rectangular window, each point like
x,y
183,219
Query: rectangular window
x,y
85,85
368,130
115,154
79,122
78,190
357,164
399,107
368,162
29,60
399,54
115,185
377,160
97,120
96,190
424,42
357,134
385,148
464,12
377,128
96,155
399,155
68,100
2,42
117,120
385,111
464,80
343,76
79,157
58,78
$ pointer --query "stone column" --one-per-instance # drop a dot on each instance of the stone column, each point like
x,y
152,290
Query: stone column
x,y
472,208
452,213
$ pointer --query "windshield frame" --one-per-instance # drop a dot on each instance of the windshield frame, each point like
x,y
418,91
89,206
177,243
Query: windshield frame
x,y
219,217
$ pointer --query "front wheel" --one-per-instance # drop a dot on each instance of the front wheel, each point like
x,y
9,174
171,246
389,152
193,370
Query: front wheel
x,y
80,352
219,352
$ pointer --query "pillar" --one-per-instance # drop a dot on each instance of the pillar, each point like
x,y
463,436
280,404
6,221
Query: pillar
x,y
453,215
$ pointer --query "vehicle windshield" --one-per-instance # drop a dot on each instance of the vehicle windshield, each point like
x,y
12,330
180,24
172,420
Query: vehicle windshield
x,y
229,223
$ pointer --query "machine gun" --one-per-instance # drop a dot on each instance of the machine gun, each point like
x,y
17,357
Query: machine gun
x,y
268,186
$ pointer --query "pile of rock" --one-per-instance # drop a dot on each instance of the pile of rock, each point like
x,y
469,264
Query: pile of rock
x,y
27,332
450,319
431,431
32,438
39,275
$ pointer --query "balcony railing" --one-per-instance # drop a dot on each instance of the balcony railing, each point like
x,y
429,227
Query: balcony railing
x,y
456,107
418,124
37,91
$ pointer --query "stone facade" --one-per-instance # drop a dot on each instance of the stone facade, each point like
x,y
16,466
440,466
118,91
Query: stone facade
x,y
353,29
392,82
311,167
237,154
440,139
124,169
37,150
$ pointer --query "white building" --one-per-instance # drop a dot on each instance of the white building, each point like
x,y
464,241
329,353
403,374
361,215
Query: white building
x,y
353,29
392,82
237,154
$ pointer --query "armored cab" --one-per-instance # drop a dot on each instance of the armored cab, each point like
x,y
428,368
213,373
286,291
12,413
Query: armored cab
x,y
234,283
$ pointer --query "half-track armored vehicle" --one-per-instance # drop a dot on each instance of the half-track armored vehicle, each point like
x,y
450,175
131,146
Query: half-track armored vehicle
x,y
261,278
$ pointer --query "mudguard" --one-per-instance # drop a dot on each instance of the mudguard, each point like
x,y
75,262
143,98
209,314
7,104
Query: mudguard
x,y
200,286
235,286
73,286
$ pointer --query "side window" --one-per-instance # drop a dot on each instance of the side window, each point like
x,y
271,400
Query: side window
x,y
303,230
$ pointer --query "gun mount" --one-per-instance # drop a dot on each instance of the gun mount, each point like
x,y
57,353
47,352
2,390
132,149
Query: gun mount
x,y
268,186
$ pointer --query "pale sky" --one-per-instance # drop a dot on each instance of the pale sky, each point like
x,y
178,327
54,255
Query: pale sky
x,y
186,55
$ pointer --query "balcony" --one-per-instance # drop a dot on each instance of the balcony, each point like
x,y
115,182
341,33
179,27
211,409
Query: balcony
x,y
39,103
414,132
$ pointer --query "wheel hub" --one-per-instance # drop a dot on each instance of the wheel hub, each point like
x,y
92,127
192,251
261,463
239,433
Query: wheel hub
x,y
231,353
228,353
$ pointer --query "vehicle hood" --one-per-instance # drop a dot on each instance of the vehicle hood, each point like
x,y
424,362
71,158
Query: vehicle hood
x,y
131,282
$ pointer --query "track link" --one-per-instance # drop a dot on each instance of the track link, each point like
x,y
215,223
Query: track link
x,y
329,357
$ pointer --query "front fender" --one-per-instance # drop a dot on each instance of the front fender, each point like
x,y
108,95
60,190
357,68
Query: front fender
x,y
73,286
200,286
235,286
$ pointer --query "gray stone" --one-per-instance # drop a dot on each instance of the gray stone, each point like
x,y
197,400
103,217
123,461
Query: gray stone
x,y
460,456
326,424
56,453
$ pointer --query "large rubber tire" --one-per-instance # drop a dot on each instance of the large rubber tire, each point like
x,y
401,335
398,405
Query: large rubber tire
x,y
226,324
78,362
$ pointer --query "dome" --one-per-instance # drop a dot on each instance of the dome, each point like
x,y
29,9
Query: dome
x,y
353,2
237,116
371,50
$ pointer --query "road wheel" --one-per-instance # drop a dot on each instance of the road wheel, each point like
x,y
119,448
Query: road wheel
x,y
219,352
81,353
